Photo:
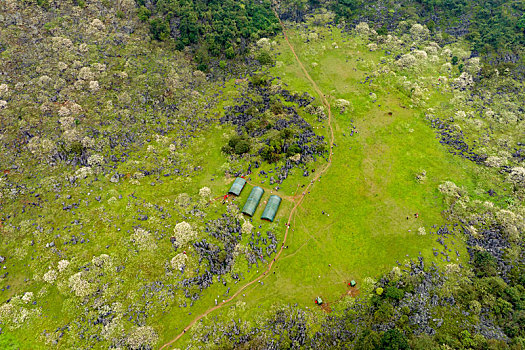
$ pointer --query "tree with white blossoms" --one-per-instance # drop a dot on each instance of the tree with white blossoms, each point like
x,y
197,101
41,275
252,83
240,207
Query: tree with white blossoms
x,y
184,233
495,162
142,338
13,314
264,43
463,81
95,159
246,227
103,260
80,286
143,239
406,61
343,106
27,297
419,32
83,172
517,176
62,265
450,189
179,261
420,54
362,28
50,276
205,192
512,224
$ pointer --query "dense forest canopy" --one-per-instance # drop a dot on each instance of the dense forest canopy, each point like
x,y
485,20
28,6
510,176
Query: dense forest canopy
x,y
223,28
219,27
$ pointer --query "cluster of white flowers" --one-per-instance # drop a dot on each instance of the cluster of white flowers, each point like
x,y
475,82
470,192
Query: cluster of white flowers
x,y
75,108
3,104
463,81
14,314
67,122
406,61
473,65
264,43
50,276
512,223
95,159
27,297
179,261
34,145
4,89
450,189
421,231
431,50
446,67
85,74
71,135
138,175
124,97
343,105
64,111
313,36
100,67
80,286
184,233
362,28
97,24
420,54
102,260
44,80
205,192
62,66
495,162
62,265
94,86
517,176
142,338
143,239
88,142
246,227
419,32
61,44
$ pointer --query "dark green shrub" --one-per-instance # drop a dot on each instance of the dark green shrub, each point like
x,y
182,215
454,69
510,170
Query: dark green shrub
x,y
265,58
484,264
394,340
243,146
143,13
160,30
394,293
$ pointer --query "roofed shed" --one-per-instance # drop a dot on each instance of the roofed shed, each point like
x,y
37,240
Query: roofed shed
x,y
253,201
271,208
237,186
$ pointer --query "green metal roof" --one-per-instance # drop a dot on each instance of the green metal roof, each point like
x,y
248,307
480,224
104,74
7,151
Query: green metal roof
x,y
253,201
271,208
237,186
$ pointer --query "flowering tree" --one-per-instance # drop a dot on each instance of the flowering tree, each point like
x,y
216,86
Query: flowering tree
x,y
142,338
179,261
517,176
184,233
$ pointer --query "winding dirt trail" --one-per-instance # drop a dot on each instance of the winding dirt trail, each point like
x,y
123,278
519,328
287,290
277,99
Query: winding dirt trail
x,y
300,196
